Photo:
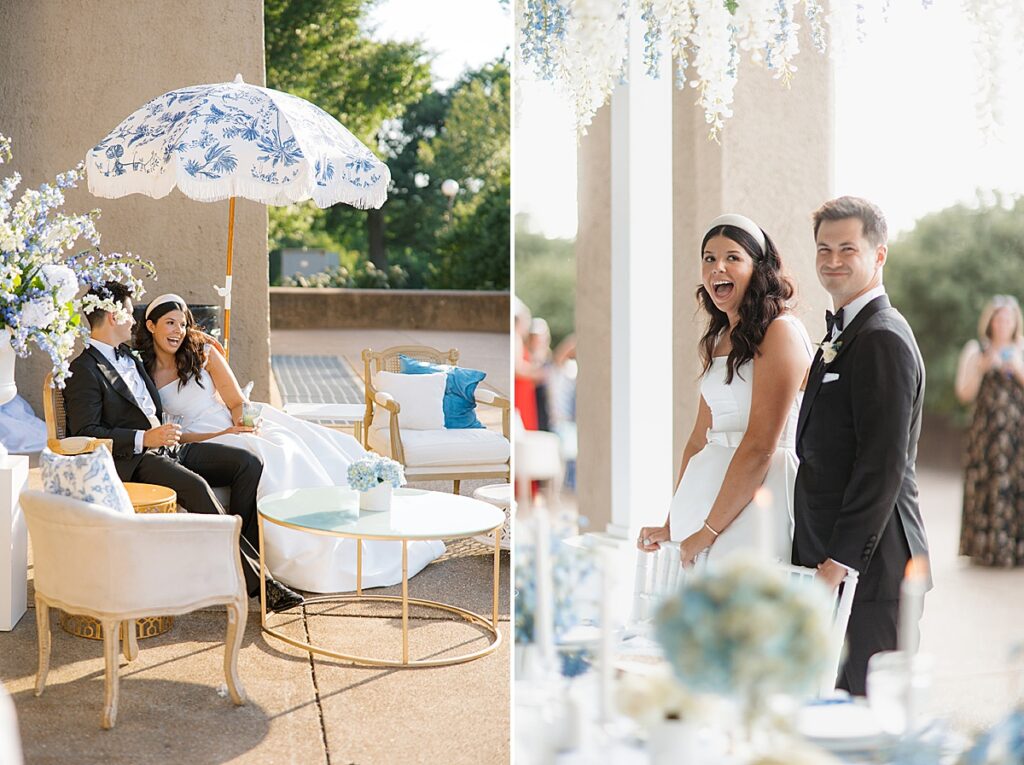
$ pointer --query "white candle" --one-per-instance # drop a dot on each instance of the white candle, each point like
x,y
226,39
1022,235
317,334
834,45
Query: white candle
x,y
911,604
606,654
544,618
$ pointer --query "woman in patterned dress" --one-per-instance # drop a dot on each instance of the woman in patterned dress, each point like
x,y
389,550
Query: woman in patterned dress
x,y
991,374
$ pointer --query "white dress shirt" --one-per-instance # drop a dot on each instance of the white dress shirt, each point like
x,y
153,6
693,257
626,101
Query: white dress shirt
x,y
851,309
125,367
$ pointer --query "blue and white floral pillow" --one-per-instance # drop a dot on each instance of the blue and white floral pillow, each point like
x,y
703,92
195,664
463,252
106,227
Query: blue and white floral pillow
x,y
89,477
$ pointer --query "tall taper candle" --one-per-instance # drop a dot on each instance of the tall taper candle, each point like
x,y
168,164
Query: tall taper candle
x,y
606,655
912,604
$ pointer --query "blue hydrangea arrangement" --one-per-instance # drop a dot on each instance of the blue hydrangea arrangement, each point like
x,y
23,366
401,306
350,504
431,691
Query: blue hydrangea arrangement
x,y
374,470
746,629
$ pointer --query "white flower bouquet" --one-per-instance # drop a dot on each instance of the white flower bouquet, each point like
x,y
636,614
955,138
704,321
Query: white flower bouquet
x,y
373,471
38,284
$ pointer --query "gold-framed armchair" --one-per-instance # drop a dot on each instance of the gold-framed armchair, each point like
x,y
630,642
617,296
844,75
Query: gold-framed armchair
x,y
433,455
57,439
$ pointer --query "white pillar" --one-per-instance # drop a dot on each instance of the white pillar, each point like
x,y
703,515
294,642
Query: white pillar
x,y
641,295
13,542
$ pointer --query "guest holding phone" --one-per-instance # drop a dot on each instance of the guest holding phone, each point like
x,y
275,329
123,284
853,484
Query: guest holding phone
x,y
991,375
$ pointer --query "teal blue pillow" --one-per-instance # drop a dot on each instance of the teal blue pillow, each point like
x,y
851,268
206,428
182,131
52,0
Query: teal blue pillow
x,y
460,388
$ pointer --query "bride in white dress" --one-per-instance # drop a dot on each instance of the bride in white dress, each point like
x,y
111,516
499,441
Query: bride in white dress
x,y
735,488
196,384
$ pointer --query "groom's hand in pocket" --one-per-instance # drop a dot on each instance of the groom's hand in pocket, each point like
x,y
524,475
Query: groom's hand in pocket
x,y
651,537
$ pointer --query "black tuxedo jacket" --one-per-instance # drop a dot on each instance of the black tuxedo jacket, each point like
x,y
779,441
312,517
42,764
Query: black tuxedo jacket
x,y
856,498
99,404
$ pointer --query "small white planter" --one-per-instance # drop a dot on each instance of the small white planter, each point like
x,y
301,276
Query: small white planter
x,y
672,742
8,389
377,498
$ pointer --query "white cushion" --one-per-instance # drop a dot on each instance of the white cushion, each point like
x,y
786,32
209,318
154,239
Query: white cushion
x,y
89,477
443,447
421,398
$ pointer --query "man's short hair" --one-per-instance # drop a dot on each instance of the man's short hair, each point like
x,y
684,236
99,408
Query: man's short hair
x,y
110,290
871,218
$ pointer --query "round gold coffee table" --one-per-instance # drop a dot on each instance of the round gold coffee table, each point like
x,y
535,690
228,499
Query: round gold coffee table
x,y
414,515
146,498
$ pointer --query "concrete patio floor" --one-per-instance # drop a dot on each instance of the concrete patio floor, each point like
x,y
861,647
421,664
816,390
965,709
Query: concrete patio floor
x,y
301,709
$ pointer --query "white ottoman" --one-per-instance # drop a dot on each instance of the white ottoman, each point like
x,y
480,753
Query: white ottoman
x,y
499,495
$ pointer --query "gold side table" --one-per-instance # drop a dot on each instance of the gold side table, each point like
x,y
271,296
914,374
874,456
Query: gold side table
x,y
146,498
415,515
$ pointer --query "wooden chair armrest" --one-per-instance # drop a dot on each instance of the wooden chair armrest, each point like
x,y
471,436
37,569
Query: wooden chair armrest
x,y
387,401
78,445
492,398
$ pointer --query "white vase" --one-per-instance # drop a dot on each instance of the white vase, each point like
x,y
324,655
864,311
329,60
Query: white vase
x,y
672,742
378,498
8,389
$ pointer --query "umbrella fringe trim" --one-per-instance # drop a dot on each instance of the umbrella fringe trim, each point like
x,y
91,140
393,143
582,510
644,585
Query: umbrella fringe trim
x,y
114,188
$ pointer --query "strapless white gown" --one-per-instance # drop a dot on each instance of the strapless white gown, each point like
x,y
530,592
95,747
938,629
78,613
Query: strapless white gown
x,y
765,526
296,455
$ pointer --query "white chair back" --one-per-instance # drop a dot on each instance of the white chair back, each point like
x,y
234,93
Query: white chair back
x,y
658,575
538,457
95,559
840,620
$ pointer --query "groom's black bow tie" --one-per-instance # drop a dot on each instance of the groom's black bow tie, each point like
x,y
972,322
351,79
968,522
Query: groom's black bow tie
x,y
122,351
834,320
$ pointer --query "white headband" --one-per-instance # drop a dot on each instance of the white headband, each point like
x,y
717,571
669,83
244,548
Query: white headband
x,y
170,297
740,222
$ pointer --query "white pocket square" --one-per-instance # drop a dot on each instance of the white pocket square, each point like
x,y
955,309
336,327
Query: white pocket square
x,y
829,377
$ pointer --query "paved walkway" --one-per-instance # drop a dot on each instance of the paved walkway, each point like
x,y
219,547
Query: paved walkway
x,y
302,710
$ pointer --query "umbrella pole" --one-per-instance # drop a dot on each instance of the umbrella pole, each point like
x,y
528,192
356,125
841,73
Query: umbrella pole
x,y
227,297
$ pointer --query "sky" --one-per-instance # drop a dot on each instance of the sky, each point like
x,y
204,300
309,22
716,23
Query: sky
x,y
906,128
443,25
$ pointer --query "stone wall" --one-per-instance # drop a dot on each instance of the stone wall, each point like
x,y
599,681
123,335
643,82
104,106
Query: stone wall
x,y
336,308
70,72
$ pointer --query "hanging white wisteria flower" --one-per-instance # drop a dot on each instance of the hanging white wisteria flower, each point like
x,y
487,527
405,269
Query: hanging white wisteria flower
x,y
38,284
581,45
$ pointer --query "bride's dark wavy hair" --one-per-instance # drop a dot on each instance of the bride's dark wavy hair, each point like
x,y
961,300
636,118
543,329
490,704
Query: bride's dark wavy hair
x,y
191,354
767,296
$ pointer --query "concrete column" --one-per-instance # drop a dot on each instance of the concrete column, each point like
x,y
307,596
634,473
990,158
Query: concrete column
x,y
774,164
69,73
636,203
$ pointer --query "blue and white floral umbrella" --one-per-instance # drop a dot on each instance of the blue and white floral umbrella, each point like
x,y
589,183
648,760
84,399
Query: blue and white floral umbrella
x,y
232,139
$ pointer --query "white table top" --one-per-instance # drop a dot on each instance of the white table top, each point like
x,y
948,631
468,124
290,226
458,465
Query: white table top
x,y
414,514
326,411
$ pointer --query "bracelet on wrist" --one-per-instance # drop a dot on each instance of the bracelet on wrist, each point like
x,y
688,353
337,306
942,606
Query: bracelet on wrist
x,y
708,527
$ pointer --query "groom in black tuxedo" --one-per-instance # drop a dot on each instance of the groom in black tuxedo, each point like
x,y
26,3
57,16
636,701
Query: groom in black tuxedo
x,y
110,395
855,503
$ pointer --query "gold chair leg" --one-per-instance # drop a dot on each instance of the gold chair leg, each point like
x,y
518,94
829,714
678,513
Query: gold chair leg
x,y
458,484
43,630
129,640
110,641
238,612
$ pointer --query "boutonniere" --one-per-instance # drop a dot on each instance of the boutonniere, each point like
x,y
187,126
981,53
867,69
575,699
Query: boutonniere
x,y
829,349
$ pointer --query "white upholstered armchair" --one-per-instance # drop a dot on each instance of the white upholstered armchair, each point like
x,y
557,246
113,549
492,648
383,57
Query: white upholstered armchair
x,y
435,454
115,568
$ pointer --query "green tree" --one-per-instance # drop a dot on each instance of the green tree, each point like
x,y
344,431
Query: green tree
x,y
473,148
941,274
546,278
318,50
